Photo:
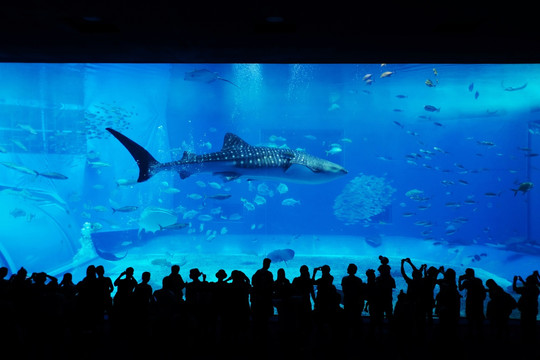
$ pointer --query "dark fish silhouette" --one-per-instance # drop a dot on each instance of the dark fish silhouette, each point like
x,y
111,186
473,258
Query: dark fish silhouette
x,y
108,256
431,108
205,76
511,88
281,255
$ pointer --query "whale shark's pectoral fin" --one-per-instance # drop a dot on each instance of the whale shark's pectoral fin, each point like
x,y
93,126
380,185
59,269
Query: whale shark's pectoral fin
x,y
287,157
188,157
228,176
314,169
184,174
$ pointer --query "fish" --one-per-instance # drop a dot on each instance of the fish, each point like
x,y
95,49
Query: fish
x,y
282,188
401,96
20,145
171,190
125,182
218,196
511,88
259,200
431,108
334,150
190,214
237,158
98,164
205,76
486,143
471,87
476,95
398,124
53,175
429,83
367,77
17,213
175,226
386,74
27,128
19,168
290,202
524,187
214,185
281,255
125,209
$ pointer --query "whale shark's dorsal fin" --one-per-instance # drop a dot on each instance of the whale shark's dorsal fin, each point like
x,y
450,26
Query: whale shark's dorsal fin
x,y
231,142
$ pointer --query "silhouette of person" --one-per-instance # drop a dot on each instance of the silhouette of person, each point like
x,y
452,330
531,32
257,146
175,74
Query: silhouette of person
x,y
303,295
177,283
474,302
4,283
68,296
430,280
527,305
353,299
282,296
415,297
123,300
236,315
326,303
88,309
166,309
142,297
198,302
262,308
282,293
402,318
499,308
373,306
106,285
218,297
385,284
448,304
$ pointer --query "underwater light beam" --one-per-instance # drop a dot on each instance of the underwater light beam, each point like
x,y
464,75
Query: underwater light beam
x,y
236,159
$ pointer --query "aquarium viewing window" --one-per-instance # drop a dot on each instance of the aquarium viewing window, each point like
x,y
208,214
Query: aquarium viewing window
x,y
306,163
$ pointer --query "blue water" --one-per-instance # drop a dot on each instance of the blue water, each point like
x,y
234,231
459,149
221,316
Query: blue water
x,y
464,157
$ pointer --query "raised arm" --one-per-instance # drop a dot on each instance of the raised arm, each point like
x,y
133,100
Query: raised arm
x,y
403,269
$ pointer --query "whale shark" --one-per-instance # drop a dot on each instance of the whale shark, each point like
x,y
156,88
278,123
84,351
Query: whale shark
x,y
238,159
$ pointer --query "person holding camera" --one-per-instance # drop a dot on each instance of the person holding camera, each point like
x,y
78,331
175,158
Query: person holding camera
x,y
474,301
528,305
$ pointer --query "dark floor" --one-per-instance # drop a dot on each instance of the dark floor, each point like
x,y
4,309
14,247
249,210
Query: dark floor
x,y
281,342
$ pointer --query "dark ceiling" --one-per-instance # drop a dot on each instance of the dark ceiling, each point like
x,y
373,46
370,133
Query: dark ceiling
x,y
261,31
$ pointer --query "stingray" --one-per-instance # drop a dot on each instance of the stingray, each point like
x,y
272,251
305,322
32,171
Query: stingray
x,y
205,76
153,219
281,255
109,256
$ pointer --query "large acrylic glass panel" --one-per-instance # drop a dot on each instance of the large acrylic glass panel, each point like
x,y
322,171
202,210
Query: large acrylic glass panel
x,y
441,160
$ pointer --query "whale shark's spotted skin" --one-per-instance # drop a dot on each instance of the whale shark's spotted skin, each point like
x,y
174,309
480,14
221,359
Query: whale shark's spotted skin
x,y
238,158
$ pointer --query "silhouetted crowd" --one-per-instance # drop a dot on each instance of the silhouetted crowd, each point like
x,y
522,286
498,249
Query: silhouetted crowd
x,y
240,315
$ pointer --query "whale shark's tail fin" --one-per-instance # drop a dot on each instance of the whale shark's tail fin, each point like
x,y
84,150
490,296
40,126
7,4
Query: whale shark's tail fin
x,y
145,161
